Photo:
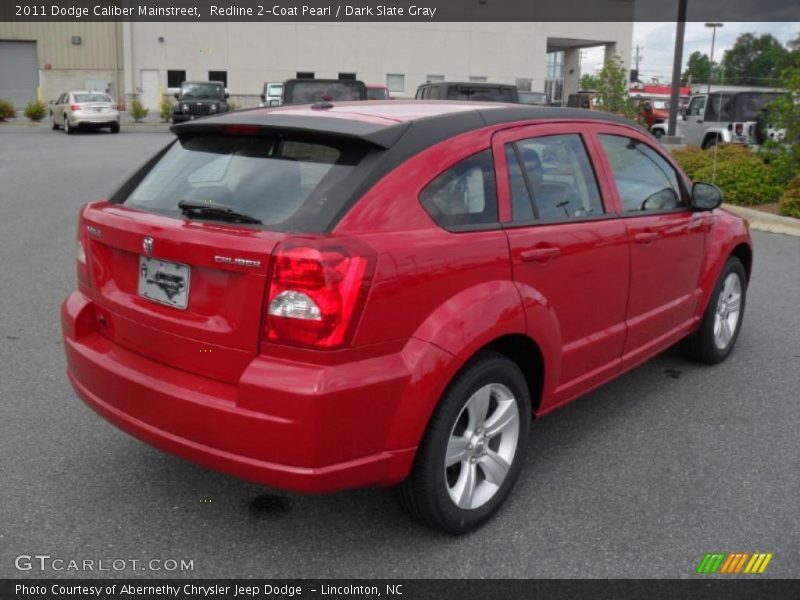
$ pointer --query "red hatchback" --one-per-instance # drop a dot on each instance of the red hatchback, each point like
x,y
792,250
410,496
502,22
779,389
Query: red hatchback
x,y
322,297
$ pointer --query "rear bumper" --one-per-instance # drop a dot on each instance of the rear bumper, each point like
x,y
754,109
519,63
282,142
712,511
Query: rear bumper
x,y
90,119
291,425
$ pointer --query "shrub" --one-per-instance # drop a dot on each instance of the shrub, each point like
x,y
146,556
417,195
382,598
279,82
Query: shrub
x,y
166,109
36,110
742,174
138,111
790,201
7,109
233,105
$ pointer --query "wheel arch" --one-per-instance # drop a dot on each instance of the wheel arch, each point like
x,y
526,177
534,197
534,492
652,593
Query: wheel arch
x,y
745,254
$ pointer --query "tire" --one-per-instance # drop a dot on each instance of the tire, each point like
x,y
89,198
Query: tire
x,y
490,388
658,134
710,142
716,337
53,124
114,128
68,129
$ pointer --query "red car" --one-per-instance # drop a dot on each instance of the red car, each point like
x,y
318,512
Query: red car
x,y
337,295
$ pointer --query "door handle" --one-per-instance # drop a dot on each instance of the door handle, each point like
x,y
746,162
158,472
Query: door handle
x,y
645,237
539,254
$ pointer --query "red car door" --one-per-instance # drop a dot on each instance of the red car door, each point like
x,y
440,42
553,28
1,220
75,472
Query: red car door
x,y
569,253
666,242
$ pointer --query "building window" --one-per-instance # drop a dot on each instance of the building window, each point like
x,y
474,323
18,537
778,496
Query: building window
x,y
396,82
554,76
433,78
347,76
478,79
218,76
305,75
175,78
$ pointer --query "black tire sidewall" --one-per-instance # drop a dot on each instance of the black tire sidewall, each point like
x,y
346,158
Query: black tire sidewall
x,y
496,369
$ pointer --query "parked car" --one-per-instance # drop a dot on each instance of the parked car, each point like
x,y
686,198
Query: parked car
x,y
652,110
475,92
378,92
738,117
272,94
199,99
310,91
387,293
533,98
84,110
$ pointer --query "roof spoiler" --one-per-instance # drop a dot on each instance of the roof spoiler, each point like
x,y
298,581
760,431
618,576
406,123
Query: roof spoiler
x,y
244,122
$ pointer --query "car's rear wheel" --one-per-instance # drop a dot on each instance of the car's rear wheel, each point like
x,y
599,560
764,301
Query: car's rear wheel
x,y
710,142
53,124
67,127
722,321
114,128
472,452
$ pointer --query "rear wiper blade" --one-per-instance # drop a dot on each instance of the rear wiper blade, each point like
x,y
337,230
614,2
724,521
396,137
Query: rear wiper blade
x,y
219,211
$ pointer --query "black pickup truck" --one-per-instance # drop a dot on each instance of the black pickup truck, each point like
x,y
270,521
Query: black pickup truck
x,y
199,99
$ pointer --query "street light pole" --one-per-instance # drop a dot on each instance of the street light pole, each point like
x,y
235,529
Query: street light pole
x,y
713,27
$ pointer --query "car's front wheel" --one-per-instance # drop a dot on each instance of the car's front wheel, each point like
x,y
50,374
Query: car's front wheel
x,y
473,449
53,124
722,321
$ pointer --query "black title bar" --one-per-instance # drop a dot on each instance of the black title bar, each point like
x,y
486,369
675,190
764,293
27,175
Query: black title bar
x,y
396,10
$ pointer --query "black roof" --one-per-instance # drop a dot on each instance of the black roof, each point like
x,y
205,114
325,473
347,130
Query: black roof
x,y
386,132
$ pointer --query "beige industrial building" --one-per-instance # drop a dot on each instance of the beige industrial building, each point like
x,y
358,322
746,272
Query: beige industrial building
x,y
147,60
41,60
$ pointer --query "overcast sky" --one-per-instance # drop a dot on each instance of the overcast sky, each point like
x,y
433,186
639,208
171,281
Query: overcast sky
x,y
657,41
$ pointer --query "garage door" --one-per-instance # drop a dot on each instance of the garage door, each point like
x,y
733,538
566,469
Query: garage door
x,y
19,72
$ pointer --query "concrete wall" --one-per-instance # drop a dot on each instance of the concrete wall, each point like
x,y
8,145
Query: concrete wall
x,y
65,66
253,53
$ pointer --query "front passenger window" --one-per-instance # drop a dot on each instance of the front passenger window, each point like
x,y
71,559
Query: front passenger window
x,y
645,180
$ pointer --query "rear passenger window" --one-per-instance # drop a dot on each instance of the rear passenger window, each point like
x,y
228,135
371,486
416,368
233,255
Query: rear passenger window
x,y
464,195
554,176
645,180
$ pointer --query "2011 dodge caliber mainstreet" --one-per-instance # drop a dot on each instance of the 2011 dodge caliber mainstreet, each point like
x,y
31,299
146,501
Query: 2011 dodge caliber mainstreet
x,y
378,293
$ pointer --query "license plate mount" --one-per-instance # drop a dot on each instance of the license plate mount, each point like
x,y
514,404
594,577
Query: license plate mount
x,y
164,281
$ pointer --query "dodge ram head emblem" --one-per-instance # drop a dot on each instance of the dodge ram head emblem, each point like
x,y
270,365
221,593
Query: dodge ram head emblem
x,y
147,245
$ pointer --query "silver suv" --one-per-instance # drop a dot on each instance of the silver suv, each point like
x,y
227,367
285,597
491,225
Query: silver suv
x,y
735,117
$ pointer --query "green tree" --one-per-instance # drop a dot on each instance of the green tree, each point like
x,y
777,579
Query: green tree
x,y
755,60
698,68
612,88
588,81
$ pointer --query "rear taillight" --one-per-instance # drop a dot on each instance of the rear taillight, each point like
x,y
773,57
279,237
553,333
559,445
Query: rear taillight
x,y
315,293
80,248
74,107
739,128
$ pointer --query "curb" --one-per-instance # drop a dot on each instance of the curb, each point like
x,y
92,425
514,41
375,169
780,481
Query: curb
x,y
763,221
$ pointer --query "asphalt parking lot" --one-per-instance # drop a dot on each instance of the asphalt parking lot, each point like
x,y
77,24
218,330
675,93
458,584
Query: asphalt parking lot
x,y
638,479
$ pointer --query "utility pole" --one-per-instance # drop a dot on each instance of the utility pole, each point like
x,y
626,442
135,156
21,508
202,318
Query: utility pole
x,y
638,56
713,27
676,69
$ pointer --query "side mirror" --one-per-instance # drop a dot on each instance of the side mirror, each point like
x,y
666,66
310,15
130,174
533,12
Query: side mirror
x,y
227,95
706,196
263,97
177,96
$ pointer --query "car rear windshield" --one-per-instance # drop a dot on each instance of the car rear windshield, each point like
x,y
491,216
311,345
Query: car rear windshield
x,y
377,94
200,90
315,91
480,94
287,184
92,98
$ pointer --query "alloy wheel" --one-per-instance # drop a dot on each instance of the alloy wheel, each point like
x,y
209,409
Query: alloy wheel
x,y
482,446
726,318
